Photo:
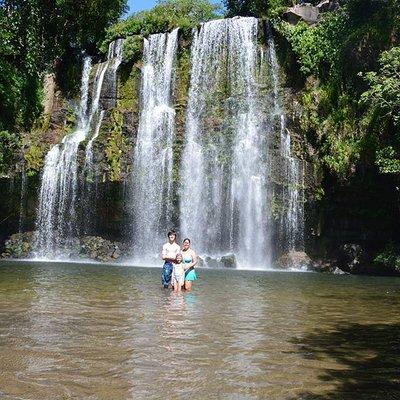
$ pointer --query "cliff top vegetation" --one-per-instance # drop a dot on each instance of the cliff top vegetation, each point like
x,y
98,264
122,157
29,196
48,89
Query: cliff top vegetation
x,y
165,16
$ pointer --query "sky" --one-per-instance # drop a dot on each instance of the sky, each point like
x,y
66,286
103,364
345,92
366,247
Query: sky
x,y
138,5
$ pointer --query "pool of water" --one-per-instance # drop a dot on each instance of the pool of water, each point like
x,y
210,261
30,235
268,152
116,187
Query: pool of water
x,y
84,331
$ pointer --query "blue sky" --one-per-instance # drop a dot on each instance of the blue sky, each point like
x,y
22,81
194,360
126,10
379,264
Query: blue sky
x,y
137,5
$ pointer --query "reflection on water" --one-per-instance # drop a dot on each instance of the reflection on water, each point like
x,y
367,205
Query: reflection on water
x,y
100,332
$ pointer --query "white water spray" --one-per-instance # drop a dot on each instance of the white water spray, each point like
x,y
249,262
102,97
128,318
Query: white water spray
x,y
151,191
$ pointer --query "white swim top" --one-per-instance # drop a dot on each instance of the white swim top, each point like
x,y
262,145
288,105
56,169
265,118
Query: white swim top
x,y
178,269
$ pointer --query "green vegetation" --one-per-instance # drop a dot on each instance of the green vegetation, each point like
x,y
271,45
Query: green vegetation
x,y
349,112
347,69
116,145
389,258
165,16
132,50
37,37
257,8
8,147
382,104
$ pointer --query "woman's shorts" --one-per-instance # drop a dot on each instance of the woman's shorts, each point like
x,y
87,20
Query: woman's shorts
x,y
191,275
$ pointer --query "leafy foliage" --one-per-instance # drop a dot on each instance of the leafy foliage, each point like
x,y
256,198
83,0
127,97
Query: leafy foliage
x,y
8,145
132,49
382,115
165,16
38,35
383,95
389,258
344,118
256,8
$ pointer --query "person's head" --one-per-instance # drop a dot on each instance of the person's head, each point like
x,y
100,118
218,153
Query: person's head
x,y
185,244
171,236
178,258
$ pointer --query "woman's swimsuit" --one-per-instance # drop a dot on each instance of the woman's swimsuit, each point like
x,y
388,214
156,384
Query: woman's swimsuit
x,y
190,274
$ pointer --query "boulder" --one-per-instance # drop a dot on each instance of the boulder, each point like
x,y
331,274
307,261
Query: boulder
x,y
294,259
307,13
352,258
19,245
338,271
322,265
116,254
328,5
228,261
210,262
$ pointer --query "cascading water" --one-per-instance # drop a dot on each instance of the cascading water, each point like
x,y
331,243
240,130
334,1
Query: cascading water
x,y
292,221
110,67
57,216
90,180
224,188
151,191
22,202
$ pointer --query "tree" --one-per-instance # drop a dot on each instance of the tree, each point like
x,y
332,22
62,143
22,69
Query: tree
x,y
166,15
382,102
256,8
36,33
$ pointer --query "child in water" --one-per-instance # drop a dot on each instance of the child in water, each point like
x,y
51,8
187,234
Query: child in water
x,y
178,273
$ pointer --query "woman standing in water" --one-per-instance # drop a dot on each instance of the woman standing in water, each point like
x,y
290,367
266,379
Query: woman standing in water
x,y
189,261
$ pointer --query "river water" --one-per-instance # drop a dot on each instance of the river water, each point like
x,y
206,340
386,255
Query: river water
x,y
86,331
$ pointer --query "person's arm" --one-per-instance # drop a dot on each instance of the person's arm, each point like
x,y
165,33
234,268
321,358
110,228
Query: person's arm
x,y
195,258
163,253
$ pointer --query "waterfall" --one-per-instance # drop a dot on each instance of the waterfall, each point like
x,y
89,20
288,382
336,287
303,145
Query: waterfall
x,y
151,189
22,201
292,221
57,211
224,188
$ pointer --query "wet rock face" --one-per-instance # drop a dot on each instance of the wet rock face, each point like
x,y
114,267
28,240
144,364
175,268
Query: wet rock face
x,y
108,96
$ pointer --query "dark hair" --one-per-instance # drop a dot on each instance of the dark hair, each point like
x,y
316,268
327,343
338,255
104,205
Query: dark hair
x,y
171,232
184,240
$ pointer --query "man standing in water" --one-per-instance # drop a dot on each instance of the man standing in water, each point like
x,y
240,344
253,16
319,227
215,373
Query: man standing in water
x,y
169,252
